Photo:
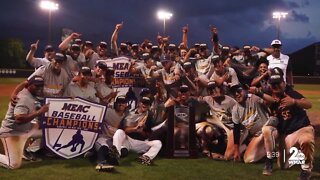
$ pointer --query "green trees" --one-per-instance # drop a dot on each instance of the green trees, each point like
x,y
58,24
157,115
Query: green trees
x,y
12,54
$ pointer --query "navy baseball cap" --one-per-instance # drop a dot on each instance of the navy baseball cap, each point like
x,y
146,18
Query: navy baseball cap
x,y
276,76
86,71
183,88
78,41
145,91
135,46
49,48
187,65
164,58
103,44
121,99
102,65
212,85
172,47
88,43
145,56
36,80
146,101
75,47
215,59
59,57
203,46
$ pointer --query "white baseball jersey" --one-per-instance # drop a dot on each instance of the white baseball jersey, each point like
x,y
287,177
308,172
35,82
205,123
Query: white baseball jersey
x,y
281,62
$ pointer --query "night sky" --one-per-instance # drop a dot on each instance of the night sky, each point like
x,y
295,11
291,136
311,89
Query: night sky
x,y
240,22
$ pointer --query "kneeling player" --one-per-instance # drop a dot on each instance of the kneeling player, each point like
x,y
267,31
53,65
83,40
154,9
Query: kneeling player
x,y
249,116
18,124
212,132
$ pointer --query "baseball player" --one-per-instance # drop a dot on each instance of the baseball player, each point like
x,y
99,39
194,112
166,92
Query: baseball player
x,y
18,124
106,153
83,87
37,62
136,130
249,115
221,109
294,129
55,81
277,59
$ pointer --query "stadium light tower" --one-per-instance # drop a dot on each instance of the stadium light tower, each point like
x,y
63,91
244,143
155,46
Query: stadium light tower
x,y
49,6
163,15
279,16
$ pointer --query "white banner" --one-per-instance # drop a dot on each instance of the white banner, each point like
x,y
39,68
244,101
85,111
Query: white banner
x,y
71,126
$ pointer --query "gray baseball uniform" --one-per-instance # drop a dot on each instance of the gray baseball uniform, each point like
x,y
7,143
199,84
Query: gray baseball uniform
x,y
54,84
13,135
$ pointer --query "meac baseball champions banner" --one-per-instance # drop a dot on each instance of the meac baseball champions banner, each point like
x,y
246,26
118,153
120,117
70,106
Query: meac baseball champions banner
x,y
122,76
71,126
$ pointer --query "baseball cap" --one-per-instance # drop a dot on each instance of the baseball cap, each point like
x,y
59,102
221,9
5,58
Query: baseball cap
x,y
155,48
183,88
211,85
123,44
172,46
276,42
102,65
59,57
36,80
246,47
203,46
237,88
110,71
149,45
215,59
49,48
75,47
144,91
146,101
196,45
121,99
187,65
103,44
225,48
276,76
145,56
78,41
88,43
86,71
164,58
135,46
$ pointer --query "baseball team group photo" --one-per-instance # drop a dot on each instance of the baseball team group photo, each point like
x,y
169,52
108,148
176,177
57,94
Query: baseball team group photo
x,y
194,100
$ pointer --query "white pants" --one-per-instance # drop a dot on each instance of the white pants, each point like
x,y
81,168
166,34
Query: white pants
x,y
14,146
149,148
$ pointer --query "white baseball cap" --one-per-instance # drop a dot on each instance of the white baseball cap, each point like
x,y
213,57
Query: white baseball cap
x,y
276,42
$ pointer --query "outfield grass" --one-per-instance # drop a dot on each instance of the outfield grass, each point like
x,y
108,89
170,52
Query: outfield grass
x,y
201,168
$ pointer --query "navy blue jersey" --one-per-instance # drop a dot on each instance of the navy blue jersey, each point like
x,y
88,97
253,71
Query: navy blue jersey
x,y
292,118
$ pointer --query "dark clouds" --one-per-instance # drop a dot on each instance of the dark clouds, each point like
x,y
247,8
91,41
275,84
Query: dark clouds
x,y
298,17
239,22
